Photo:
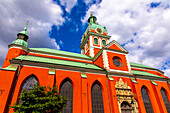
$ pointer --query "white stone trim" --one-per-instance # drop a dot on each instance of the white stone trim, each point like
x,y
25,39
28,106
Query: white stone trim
x,y
91,52
105,60
128,63
112,70
91,41
100,42
17,48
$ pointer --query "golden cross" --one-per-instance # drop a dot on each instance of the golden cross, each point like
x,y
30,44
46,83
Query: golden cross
x,y
141,61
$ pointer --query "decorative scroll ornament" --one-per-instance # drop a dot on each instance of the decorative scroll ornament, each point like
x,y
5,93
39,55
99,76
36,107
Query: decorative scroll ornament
x,y
126,100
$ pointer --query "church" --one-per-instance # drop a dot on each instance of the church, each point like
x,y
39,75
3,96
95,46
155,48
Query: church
x,y
99,80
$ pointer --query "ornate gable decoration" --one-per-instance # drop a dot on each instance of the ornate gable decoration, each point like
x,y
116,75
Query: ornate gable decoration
x,y
124,95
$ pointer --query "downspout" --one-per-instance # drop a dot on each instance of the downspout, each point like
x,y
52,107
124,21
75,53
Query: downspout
x,y
108,91
15,84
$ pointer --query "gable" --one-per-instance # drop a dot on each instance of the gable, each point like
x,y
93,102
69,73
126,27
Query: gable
x,y
115,46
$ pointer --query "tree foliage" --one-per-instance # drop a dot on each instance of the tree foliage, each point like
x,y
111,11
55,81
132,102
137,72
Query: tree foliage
x,y
40,100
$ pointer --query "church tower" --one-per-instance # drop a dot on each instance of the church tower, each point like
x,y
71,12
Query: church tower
x,y
94,38
17,47
109,55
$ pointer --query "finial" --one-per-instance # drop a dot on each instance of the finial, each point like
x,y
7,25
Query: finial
x,y
25,29
141,61
91,13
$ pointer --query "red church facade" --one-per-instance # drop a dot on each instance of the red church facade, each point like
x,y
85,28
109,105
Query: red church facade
x,y
100,80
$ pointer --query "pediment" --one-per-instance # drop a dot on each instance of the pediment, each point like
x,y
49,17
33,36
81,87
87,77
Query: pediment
x,y
113,45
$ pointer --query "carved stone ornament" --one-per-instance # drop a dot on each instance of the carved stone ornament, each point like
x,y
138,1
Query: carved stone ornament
x,y
126,101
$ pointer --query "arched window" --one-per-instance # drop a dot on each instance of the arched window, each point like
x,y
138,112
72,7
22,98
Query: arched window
x,y
126,107
96,41
103,42
97,99
66,90
166,101
146,100
29,85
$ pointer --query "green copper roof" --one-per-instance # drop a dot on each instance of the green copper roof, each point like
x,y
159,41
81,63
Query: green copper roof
x,y
20,42
23,32
58,62
143,73
95,26
139,65
64,53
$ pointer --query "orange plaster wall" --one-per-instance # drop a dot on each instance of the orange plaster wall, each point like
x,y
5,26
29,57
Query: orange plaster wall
x,y
75,79
96,50
113,97
113,46
12,53
151,92
163,85
40,73
92,30
91,78
99,61
6,81
112,66
104,33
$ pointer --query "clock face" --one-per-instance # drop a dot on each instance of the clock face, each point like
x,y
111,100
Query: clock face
x,y
99,30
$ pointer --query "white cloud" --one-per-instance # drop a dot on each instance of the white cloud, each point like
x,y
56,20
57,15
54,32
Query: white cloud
x,y
69,4
42,15
151,25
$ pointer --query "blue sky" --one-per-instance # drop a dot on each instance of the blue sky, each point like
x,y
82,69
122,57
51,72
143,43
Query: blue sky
x,y
141,26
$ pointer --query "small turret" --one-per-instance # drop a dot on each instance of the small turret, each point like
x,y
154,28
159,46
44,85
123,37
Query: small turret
x,y
17,47
22,37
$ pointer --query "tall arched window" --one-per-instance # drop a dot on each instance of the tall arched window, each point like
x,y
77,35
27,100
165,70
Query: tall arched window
x,y
29,84
66,90
146,100
166,101
103,42
97,99
96,41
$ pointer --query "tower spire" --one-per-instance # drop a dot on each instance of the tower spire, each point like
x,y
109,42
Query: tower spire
x,y
25,29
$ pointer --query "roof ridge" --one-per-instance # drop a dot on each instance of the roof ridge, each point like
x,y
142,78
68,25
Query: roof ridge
x,y
55,51
142,65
